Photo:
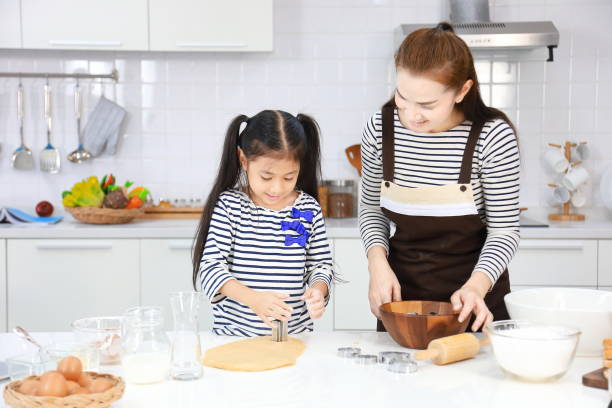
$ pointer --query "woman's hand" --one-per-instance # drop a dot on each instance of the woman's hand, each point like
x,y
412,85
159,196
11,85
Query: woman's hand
x,y
470,299
384,286
315,299
269,306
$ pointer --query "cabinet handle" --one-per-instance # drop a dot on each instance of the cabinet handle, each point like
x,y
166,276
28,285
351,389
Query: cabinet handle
x,y
74,245
209,44
75,43
560,245
179,245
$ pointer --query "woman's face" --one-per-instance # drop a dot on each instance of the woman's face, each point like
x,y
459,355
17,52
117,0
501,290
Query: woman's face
x,y
271,179
424,105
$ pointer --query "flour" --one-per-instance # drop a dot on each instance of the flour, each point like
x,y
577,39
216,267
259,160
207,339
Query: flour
x,y
534,353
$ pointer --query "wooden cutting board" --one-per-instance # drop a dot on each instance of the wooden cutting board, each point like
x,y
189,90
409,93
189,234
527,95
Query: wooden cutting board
x,y
595,379
158,212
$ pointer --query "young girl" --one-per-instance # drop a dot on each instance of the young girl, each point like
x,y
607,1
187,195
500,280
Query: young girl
x,y
444,169
261,250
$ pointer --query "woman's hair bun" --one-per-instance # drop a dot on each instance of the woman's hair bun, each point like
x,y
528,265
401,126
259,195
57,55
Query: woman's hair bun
x,y
444,26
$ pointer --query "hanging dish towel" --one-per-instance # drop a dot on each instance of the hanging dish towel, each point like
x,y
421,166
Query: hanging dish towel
x,y
101,132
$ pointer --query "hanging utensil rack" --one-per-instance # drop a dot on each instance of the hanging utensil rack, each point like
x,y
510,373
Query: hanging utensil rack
x,y
114,75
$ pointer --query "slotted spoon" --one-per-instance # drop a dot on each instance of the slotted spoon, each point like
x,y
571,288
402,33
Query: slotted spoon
x,y
50,156
80,154
22,157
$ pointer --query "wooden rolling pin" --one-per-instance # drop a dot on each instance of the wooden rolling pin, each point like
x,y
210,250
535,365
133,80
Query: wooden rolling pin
x,y
450,349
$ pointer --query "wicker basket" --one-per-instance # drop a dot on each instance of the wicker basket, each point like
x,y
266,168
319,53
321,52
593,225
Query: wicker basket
x,y
15,399
95,215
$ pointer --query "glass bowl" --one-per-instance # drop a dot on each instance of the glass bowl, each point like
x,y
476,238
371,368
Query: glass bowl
x,y
103,333
37,363
533,351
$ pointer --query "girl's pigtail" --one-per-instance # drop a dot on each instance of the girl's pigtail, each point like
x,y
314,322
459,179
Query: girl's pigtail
x,y
229,173
310,168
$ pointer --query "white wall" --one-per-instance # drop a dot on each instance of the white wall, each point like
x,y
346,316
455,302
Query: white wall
x,y
332,59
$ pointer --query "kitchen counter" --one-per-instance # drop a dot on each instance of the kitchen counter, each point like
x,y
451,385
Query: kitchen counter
x,y
592,228
322,379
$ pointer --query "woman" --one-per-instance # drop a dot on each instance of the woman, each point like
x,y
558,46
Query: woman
x,y
443,169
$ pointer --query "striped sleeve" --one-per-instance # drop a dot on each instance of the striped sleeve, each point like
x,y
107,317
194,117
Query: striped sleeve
x,y
374,226
214,266
500,177
319,266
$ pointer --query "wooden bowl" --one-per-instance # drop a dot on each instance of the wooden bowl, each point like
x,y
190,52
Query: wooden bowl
x,y
15,399
414,323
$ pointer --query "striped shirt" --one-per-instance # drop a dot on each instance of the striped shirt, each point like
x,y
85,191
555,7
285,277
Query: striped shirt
x,y
246,242
434,159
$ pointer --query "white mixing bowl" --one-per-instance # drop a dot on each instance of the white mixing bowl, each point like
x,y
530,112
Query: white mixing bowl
x,y
589,310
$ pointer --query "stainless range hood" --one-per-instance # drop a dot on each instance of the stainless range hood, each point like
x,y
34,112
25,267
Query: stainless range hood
x,y
470,20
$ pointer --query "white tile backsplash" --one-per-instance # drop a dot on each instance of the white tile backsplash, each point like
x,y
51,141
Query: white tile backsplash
x,y
332,59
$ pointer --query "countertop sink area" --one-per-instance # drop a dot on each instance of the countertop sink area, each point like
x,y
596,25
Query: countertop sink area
x,y
322,379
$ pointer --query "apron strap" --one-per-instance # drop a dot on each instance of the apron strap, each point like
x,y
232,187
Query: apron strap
x,y
465,175
388,140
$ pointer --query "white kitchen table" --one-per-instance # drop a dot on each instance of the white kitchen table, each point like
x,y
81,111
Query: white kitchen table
x,y
321,379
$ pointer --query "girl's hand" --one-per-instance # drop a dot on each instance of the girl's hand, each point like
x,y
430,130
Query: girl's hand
x,y
270,306
468,300
384,286
315,300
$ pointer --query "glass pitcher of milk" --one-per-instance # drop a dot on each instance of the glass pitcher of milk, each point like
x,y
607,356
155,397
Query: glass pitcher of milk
x,y
146,349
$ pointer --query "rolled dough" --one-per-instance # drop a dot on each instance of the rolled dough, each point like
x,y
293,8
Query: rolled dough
x,y
255,354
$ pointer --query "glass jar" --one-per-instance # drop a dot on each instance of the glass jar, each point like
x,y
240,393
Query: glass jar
x,y
146,349
341,198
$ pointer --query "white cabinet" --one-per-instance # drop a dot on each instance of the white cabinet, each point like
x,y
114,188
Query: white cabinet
x,y
85,24
555,262
53,282
166,267
3,288
10,24
210,25
604,269
351,305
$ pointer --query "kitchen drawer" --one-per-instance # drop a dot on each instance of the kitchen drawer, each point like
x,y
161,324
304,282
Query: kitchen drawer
x,y
211,25
55,281
85,24
3,288
10,24
166,267
604,268
351,305
551,262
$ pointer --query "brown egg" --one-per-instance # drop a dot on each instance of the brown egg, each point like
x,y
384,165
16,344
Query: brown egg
x,y
84,380
52,384
100,384
80,390
72,386
29,387
70,367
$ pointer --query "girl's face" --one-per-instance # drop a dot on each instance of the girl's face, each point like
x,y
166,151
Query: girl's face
x,y
271,179
427,106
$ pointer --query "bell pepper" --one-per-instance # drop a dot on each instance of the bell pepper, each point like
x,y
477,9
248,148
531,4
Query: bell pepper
x,y
107,181
134,202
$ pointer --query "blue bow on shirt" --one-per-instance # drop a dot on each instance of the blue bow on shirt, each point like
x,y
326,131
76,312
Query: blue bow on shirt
x,y
293,225
307,215
300,240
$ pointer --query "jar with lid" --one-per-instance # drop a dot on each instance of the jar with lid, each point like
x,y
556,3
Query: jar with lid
x,y
341,198
146,349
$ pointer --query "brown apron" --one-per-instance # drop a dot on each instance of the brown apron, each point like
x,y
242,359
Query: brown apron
x,y
439,234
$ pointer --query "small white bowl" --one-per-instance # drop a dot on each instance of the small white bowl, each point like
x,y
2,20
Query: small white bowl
x,y
533,351
589,310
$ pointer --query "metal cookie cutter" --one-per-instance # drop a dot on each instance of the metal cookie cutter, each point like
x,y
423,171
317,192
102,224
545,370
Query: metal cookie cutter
x,y
367,359
349,352
403,366
385,357
279,331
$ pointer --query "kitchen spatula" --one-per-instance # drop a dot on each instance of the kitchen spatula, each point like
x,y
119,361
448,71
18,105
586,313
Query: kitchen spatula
x,y
50,156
